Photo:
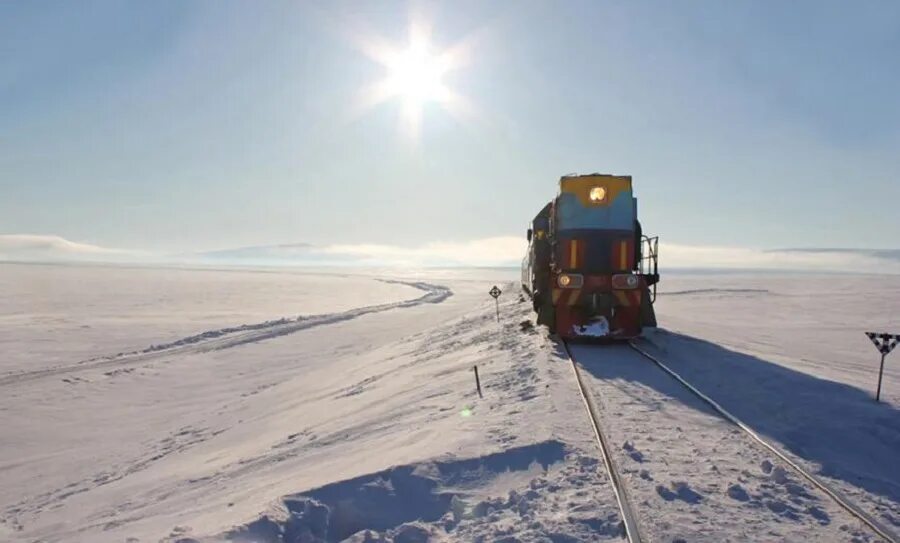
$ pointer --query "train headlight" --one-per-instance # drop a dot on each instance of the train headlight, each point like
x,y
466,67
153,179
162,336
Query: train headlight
x,y
598,194
625,281
570,280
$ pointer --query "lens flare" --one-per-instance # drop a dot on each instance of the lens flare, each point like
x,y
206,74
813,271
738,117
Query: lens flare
x,y
414,74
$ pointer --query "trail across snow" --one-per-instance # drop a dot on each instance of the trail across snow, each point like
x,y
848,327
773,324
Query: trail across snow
x,y
54,315
233,336
251,333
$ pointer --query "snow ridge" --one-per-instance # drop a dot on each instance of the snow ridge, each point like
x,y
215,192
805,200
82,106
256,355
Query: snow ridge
x,y
225,338
410,502
265,330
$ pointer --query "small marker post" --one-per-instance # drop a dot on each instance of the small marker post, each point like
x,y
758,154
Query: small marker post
x,y
495,292
885,343
477,382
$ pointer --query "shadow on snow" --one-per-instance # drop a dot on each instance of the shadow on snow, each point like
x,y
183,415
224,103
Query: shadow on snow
x,y
389,500
837,426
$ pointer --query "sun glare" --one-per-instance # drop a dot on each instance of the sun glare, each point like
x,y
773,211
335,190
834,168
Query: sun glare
x,y
414,75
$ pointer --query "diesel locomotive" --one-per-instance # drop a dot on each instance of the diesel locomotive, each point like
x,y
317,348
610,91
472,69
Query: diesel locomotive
x,y
590,271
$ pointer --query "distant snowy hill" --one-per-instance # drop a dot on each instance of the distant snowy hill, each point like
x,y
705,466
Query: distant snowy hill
x,y
884,254
495,251
48,248
268,255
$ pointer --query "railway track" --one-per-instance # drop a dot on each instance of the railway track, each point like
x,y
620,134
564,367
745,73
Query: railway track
x,y
629,516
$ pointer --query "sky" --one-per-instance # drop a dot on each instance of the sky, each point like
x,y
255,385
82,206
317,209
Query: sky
x,y
172,126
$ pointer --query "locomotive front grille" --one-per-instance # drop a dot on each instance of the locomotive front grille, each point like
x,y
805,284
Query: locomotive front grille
x,y
599,304
596,298
595,251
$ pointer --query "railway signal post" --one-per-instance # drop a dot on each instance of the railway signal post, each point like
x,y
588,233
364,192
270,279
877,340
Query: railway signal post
x,y
885,343
495,292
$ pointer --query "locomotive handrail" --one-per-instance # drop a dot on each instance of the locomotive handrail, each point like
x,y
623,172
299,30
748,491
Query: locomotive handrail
x,y
650,260
651,257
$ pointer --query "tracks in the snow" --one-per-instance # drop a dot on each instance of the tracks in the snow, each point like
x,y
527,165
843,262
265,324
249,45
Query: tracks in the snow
x,y
629,517
226,338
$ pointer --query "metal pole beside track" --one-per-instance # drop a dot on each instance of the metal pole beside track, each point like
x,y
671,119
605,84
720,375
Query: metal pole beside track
x,y
880,373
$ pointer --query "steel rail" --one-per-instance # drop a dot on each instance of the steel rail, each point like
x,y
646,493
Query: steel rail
x,y
629,519
835,495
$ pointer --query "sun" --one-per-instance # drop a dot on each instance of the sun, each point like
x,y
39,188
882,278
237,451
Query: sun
x,y
414,75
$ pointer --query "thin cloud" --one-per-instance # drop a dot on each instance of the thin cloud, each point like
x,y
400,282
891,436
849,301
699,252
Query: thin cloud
x,y
495,251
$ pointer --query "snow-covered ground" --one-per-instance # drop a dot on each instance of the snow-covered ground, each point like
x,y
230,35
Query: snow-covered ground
x,y
361,419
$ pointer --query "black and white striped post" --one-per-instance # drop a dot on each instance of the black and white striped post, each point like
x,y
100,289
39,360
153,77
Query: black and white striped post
x,y
885,343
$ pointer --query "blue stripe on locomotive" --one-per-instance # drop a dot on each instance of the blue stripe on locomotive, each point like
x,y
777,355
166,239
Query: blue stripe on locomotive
x,y
620,214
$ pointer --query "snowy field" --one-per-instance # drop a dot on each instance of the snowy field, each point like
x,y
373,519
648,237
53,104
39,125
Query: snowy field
x,y
284,406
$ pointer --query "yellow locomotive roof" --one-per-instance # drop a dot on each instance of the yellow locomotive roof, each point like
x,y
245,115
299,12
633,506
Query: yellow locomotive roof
x,y
580,186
